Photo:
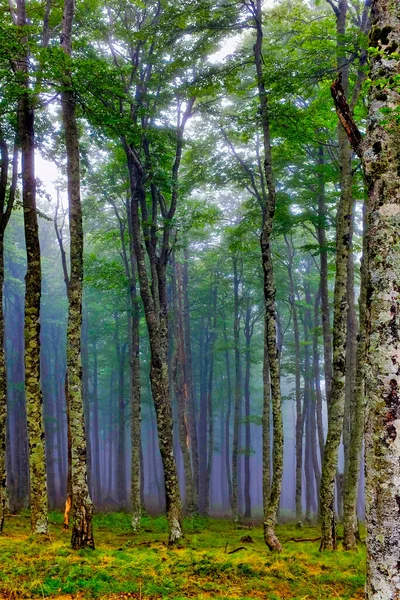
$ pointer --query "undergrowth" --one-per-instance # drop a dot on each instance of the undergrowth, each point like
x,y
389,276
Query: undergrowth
x,y
141,566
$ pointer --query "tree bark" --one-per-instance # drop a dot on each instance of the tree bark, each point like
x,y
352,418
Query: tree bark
x,y
82,507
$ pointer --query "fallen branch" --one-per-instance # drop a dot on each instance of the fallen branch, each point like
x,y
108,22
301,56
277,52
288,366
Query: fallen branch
x,y
237,550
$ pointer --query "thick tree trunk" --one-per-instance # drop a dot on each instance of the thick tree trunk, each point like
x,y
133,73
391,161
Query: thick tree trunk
x,y
82,507
33,285
382,167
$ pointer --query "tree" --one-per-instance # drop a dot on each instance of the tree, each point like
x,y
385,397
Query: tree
x,y
7,197
82,507
33,282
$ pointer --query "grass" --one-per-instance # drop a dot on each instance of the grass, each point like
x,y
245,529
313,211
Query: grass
x,y
142,567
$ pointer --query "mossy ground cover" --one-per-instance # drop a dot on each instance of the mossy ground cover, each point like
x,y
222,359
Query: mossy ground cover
x,y
141,566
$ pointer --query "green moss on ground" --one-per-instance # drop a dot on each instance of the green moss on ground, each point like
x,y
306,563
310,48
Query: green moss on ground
x,y
141,566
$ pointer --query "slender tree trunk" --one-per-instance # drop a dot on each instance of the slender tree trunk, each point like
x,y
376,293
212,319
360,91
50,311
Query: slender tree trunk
x,y
228,416
324,279
136,468
82,507
33,285
317,378
266,425
337,400
96,429
180,383
350,521
299,415
247,411
238,391
6,205
210,412
191,403
271,509
203,433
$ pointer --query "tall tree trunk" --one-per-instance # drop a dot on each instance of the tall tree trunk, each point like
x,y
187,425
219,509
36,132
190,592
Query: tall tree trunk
x,y
33,286
210,413
204,356
337,400
228,416
248,330
96,429
238,390
317,378
191,408
271,509
350,521
6,205
324,280
180,383
266,425
82,507
136,437
299,415
155,305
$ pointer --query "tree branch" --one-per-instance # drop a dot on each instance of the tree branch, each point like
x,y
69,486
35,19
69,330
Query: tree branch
x,y
345,117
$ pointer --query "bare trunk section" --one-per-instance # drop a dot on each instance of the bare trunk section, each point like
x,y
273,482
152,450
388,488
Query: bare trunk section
x,y
82,507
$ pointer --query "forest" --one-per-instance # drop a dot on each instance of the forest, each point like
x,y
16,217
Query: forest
x,y
199,299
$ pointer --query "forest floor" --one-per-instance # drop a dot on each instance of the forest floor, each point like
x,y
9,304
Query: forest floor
x,y
143,567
